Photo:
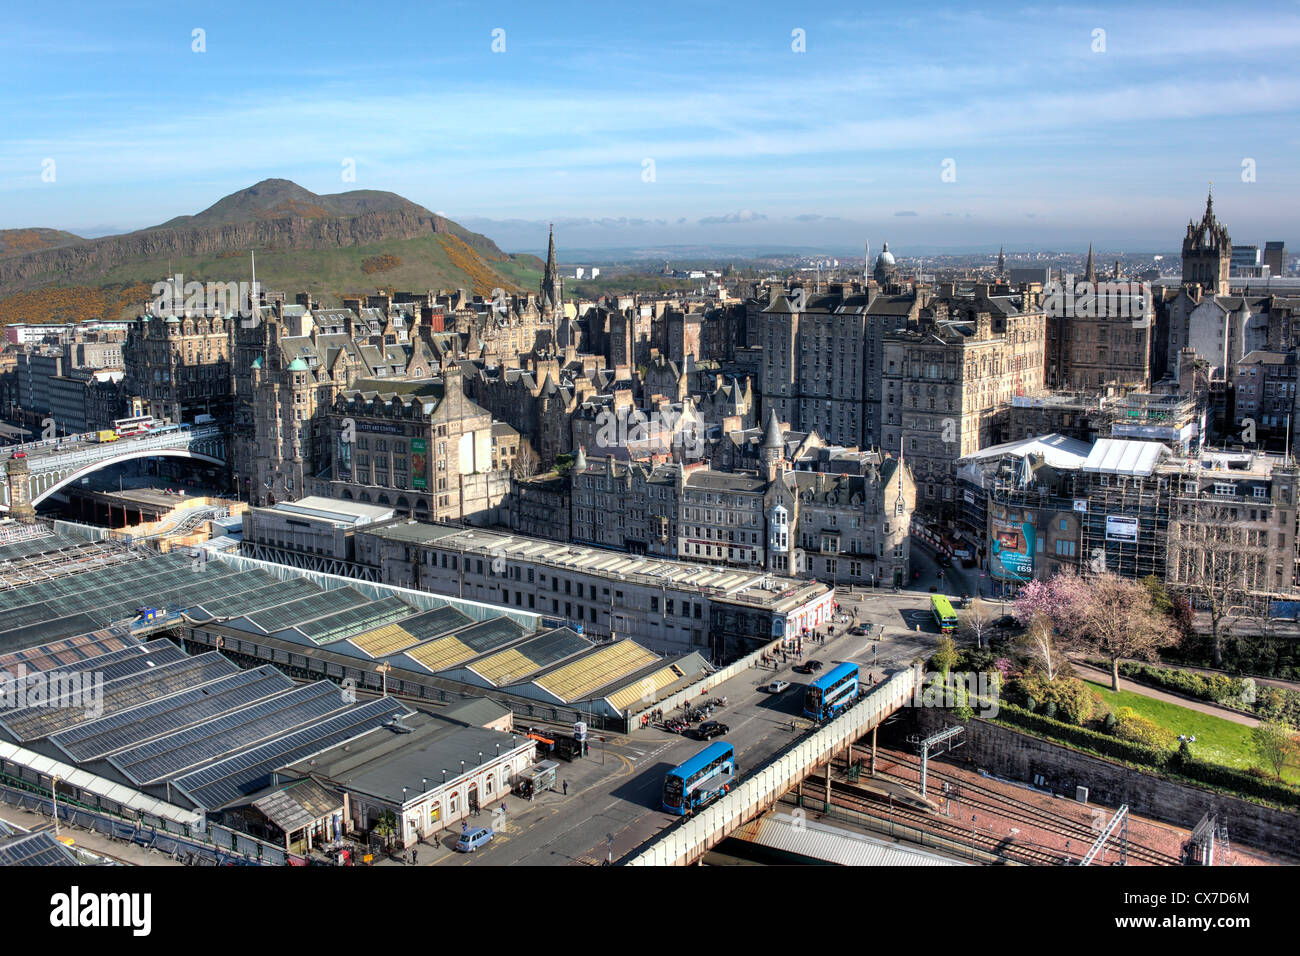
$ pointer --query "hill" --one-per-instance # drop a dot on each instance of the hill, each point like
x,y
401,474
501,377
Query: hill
x,y
15,242
330,245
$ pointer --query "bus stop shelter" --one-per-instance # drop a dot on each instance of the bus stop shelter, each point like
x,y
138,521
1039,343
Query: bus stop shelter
x,y
538,778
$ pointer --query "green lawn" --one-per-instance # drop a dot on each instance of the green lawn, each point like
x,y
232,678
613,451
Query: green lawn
x,y
1217,740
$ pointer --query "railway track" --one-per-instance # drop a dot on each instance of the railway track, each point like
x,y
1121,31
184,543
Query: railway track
x,y
991,801
851,798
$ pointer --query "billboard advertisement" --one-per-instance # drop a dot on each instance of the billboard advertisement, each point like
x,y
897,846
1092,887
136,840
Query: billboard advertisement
x,y
343,468
1013,545
1121,528
419,463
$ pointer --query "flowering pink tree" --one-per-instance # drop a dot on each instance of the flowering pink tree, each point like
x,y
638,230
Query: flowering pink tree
x,y
1048,610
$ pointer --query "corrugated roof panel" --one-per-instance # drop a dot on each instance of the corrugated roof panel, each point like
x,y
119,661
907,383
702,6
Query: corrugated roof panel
x,y
834,845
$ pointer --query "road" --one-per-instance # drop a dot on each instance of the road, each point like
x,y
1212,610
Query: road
x,y
612,805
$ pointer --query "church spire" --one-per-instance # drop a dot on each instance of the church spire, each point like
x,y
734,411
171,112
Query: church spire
x,y
1090,271
552,285
1002,262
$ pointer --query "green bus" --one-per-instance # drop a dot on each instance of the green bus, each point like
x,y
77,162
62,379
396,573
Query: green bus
x,y
944,615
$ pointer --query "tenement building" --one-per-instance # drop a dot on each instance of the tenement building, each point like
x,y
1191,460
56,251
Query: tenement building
x,y
420,446
179,366
950,379
840,517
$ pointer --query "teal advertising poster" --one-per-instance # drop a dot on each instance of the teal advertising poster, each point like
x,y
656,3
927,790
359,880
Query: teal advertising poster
x,y
1013,549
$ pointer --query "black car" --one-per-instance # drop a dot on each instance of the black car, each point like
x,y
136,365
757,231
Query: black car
x,y
710,729
808,667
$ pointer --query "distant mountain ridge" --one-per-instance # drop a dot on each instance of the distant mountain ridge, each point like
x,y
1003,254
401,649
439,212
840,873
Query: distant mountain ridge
x,y
275,215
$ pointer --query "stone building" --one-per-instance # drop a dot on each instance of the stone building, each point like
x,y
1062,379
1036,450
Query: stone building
x,y
846,522
180,365
420,446
822,357
949,381
1100,332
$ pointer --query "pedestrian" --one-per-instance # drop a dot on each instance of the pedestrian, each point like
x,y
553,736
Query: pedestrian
x,y
464,827
503,809
566,788
415,856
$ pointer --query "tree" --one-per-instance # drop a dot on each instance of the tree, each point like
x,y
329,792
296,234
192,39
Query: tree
x,y
1115,618
945,656
1215,560
1038,641
1159,595
386,828
1050,599
526,462
1275,744
976,624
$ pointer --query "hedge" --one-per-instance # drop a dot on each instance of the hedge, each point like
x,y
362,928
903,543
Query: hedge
x,y
1168,762
1271,703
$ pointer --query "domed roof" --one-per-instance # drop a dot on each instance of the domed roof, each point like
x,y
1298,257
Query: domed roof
x,y
297,365
886,257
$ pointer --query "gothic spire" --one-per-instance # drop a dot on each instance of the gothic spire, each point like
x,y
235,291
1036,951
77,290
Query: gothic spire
x,y
1090,271
551,287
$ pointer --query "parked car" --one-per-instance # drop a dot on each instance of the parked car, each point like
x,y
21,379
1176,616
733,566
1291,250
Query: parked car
x,y
471,840
710,729
778,686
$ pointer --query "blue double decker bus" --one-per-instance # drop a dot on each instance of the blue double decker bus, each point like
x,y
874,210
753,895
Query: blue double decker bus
x,y
832,692
700,780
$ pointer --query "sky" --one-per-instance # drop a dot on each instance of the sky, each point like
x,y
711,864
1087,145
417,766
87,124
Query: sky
x,y
952,127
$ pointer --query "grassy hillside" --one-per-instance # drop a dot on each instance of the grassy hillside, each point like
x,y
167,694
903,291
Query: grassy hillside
x,y
408,265
14,242
429,262
74,303
405,265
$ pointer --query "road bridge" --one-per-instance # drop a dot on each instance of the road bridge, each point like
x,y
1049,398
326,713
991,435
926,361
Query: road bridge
x,y
32,472
760,789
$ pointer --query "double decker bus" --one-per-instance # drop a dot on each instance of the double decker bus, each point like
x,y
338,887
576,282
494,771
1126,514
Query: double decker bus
x,y
832,692
137,425
944,615
700,780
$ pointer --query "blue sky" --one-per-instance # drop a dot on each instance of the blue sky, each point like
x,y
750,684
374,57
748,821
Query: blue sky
x,y
1053,143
